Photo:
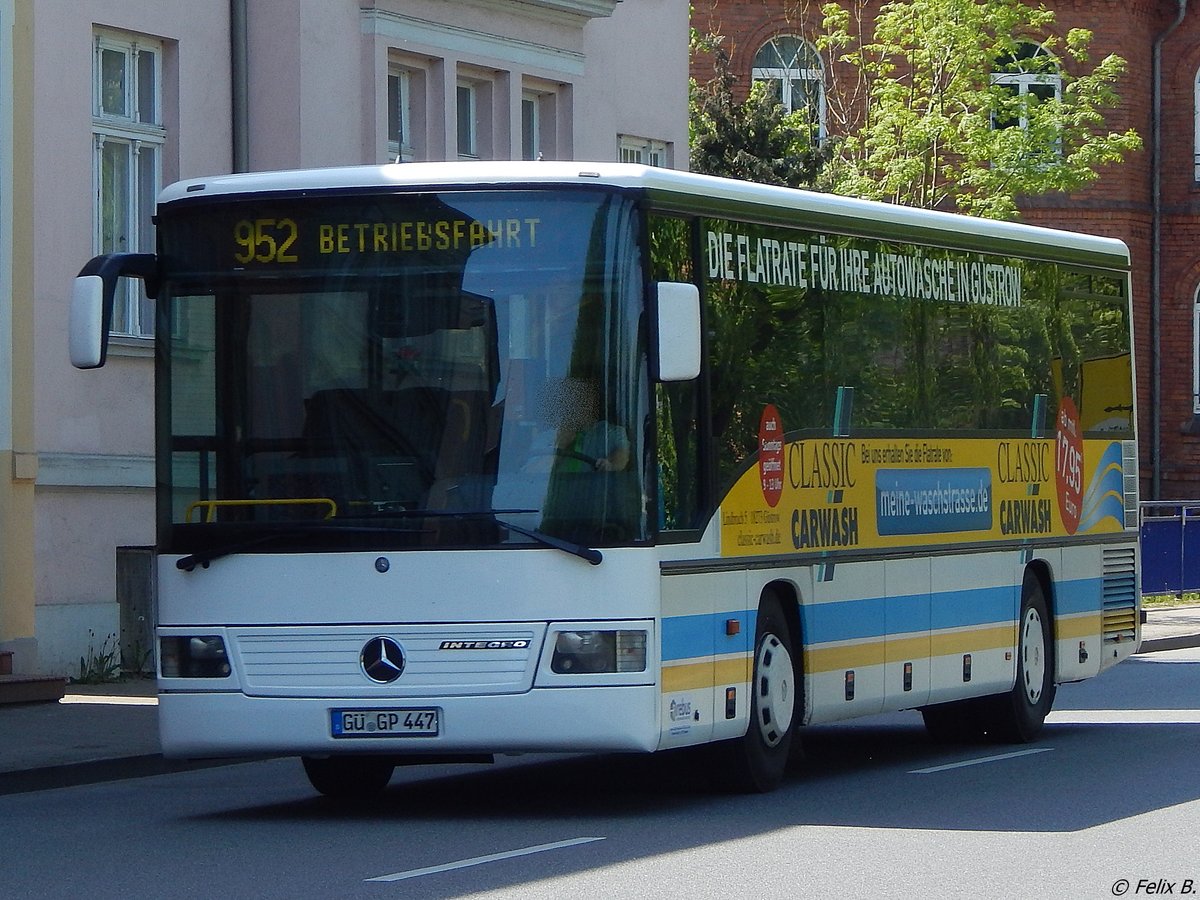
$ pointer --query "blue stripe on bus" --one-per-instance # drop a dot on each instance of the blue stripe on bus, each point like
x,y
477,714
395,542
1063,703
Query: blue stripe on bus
x,y
1085,595
872,618
685,637
975,606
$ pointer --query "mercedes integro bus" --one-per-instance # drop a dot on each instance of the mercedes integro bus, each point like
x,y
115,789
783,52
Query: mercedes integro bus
x,y
467,458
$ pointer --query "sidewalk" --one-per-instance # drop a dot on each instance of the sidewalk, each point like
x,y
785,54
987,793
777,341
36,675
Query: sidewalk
x,y
110,731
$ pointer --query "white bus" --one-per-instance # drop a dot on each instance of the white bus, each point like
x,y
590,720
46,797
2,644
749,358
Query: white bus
x,y
468,458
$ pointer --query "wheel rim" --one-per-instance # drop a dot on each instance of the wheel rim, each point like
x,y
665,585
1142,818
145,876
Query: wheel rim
x,y
774,691
1033,655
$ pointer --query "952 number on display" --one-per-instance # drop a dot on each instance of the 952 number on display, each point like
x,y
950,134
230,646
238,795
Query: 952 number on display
x,y
352,723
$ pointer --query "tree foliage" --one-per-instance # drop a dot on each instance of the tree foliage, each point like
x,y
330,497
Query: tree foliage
x,y
921,118
756,140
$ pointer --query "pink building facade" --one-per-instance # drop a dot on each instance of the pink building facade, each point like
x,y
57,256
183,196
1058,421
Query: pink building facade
x,y
103,102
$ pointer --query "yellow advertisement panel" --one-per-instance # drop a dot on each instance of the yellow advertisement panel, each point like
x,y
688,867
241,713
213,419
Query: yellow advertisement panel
x,y
845,493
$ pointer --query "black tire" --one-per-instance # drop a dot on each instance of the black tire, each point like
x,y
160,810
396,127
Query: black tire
x,y
1020,715
348,777
760,758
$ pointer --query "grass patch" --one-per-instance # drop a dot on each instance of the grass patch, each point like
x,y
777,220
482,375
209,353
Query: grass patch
x,y
1165,600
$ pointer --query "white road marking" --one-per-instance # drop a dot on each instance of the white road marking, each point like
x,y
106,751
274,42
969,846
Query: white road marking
x,y
108,700
1125,717
480,860
980,761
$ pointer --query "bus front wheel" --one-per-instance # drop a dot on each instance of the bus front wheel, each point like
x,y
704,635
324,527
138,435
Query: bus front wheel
x,y
348,777
760,758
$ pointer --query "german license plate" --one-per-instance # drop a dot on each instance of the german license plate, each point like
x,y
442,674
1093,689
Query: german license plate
x,y
352,723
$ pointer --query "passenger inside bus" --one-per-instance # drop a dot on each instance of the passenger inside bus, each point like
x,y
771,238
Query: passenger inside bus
x,y
575,436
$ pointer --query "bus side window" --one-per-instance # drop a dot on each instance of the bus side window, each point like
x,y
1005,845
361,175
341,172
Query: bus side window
x,y
676,404
678,456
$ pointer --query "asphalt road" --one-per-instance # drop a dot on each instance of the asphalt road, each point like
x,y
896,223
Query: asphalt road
x,y
1106,804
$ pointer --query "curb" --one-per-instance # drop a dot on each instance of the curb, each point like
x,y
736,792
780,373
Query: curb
x,y
24,781
1175,642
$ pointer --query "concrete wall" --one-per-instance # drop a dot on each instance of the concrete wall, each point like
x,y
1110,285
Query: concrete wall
x,y
636,92
17,460
94,430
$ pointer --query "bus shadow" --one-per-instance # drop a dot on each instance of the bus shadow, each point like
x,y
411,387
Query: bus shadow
x,y
1096,767
887,775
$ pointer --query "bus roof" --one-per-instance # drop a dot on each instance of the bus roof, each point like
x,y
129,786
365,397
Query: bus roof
x,y
675,190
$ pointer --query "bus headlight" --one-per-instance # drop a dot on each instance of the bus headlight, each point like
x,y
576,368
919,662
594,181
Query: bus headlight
x,y
584,652
202,656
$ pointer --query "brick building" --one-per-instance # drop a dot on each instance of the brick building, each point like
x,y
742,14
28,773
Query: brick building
x,y
1151,201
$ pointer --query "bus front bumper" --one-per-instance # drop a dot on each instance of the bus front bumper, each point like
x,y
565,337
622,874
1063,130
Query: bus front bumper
x,y
204,724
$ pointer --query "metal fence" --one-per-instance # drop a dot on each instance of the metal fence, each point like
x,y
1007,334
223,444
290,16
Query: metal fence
x,y
1170,539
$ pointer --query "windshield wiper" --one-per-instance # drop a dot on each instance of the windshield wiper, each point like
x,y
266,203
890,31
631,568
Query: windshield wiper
x,y
592,555
595,557
203,558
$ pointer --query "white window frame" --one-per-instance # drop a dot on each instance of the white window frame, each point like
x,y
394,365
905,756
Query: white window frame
x,y
1024,81
140,129
469,91
789,71
643,151
1196,129
399,102
531,105
1196,353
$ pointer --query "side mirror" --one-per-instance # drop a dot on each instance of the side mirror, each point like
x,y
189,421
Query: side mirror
x,y
88,327
678,331
92,302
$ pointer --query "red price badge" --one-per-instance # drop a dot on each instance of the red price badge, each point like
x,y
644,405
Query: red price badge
x,y
1068,464
770,455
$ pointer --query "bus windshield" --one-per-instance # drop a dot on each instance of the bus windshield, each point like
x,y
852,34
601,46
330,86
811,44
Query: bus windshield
x,y
415,369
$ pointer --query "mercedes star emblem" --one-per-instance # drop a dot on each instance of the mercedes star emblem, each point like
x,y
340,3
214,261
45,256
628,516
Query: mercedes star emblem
x,y
382,660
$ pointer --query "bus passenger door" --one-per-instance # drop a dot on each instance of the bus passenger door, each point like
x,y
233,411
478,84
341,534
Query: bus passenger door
x,y
906,669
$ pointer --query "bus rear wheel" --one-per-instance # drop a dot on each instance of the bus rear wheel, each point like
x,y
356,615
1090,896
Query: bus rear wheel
x,y
1019,716
760,758
348,777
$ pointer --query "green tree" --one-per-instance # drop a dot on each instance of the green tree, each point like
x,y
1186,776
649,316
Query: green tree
x,y
965,105
756,140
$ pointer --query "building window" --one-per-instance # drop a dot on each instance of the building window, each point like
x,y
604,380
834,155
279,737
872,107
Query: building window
x,y
792,68
643,151
531,126
468,128
1029,76
400,135
129,137
1196,117
1196,354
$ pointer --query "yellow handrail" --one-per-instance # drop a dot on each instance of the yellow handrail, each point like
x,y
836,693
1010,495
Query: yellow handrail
x,y
211,505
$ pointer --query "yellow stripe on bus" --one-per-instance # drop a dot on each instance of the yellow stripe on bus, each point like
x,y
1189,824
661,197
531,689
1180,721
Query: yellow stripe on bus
x,y
876,653
696,676
1088,626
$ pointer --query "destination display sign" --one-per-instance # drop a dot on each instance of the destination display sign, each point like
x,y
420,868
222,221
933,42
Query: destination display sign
x,y
294,235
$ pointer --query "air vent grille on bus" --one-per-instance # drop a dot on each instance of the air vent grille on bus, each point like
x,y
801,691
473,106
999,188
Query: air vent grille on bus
x,y
1129,465
1120,595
